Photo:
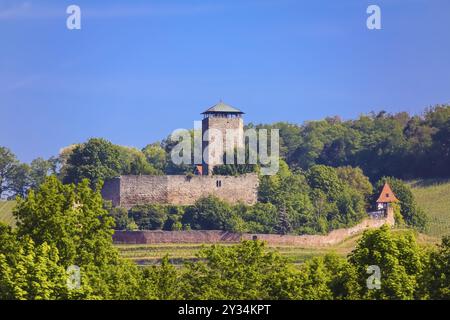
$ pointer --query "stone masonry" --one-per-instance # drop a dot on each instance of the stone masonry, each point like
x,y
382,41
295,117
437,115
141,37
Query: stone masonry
x,y
224,127
128,191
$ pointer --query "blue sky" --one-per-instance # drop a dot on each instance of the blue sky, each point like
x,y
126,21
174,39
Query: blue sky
x,y
139,69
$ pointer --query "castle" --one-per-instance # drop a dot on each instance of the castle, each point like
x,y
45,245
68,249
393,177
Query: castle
x,y
129,191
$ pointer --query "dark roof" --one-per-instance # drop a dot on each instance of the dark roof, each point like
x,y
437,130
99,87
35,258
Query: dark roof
x,y
387,195
222,108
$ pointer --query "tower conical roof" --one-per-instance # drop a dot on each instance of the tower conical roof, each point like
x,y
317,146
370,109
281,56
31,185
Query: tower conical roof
x,y
387,195
222,108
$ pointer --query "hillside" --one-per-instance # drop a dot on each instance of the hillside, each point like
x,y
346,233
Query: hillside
x,y
433,196
6,208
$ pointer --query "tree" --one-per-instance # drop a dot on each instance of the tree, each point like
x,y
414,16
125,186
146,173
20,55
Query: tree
x,y
164,280
95,160
156,156
284,225
29,271
436,279
398,258
8,163
71,218
328,277
20,179
40,169
149,217
326,179
209,213
244,271
134,162
122,219
355,178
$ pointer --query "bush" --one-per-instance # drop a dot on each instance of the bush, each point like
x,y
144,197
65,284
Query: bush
x,y
149,217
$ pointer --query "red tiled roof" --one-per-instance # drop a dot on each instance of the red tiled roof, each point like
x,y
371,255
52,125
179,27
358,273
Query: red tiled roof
x,y
387,195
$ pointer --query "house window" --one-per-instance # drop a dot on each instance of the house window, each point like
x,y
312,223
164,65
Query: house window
x,y
387,195
218,183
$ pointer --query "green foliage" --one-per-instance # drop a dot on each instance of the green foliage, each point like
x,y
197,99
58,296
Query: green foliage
x,y
8,162
70,217
156,156
149,217
355,178
134,162
122,219
328,277
399,258
99,159
436,278
95,160
325,179
284,225
17,178
259,218
245,271
234,168
164,279
40,169
316,201
210,213
29,271
20,180
381,144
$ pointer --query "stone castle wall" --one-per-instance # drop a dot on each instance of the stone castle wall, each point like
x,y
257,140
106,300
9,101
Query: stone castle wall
x,y
128,191
215,236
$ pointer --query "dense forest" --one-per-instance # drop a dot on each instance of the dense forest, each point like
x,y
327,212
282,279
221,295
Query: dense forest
x,y
381,144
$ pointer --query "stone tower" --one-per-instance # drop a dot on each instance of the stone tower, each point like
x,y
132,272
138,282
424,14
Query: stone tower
x,y
220,123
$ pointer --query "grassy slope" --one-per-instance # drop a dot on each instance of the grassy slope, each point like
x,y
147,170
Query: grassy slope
x,y
6,208
151,254
434,197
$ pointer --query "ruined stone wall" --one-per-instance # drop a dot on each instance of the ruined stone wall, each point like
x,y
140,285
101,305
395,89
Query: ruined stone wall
x,y
144,189
214,236
128,191
111,191
184,190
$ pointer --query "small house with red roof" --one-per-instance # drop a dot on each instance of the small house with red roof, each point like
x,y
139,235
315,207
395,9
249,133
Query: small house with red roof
x,y
386,197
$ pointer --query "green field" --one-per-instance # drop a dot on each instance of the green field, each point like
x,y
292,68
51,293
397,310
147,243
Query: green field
x,y
434,197
152,253
6,208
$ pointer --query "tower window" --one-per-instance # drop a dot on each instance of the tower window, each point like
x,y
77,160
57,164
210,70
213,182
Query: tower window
x,y
218,183
387,195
